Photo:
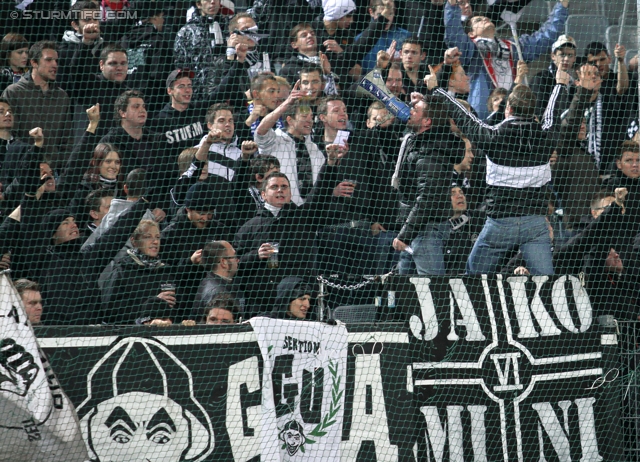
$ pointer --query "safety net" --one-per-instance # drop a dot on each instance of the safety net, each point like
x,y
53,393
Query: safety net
x,y
319,230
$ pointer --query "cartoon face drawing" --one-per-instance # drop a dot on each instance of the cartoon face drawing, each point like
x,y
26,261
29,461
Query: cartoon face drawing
x,y
141,407
293,436
139,426
18,368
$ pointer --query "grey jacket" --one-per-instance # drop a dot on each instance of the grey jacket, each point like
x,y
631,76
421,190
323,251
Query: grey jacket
x,y
118,207
48,110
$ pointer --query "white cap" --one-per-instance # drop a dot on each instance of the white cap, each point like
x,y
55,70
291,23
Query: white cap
x,y
563,41
337,9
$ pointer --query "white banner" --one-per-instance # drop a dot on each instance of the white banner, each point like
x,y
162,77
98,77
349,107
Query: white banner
x,y
303,389
37,421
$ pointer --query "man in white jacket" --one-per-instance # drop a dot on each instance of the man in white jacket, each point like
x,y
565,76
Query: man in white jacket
x,y
300,158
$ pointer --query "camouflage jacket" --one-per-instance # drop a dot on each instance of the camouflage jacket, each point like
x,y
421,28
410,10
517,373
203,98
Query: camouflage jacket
x,y
199,46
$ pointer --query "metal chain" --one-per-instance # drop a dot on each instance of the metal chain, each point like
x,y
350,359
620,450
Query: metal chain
x,y
360,285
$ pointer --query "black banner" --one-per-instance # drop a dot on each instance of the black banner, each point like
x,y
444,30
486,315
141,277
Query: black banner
x,y
481,369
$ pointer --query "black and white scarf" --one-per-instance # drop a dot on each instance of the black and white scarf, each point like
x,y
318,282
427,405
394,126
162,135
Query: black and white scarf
x,y
257,197
595,130
144,260
330,87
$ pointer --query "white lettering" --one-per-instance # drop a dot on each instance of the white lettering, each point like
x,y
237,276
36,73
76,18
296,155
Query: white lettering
x,y
437,433
523,310
243,447
469,318
588,439
170,139
559,434
368,427
561,305
176,134
427,309
503,374
478,433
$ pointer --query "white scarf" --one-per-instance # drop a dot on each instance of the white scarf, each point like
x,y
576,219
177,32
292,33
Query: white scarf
x,y
404,147
273,209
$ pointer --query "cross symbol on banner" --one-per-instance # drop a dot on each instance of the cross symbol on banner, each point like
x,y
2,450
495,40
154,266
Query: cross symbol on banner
x,y
507,372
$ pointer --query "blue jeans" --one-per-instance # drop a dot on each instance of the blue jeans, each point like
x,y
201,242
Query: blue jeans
x,y
500,236
428,254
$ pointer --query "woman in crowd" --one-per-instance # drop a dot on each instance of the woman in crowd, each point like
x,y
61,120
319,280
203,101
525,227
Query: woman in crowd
x,y
15,49
294,300
139,275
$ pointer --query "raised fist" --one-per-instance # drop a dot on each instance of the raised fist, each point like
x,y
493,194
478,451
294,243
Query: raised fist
x,y
37,135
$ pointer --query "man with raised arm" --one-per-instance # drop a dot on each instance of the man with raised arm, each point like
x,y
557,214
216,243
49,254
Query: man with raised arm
x,y
518,173
300,158
490,61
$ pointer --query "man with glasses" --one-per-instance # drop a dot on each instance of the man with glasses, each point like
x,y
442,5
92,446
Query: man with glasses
x,y
221,261
608,117
563,57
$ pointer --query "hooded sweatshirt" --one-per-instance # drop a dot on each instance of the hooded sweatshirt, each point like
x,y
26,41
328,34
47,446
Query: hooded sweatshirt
x,y
289,289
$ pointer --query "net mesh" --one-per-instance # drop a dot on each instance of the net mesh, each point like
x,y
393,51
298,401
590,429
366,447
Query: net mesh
x,y
448,189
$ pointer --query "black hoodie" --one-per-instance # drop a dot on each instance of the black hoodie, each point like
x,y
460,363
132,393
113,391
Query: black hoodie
x,y
69,275
289,289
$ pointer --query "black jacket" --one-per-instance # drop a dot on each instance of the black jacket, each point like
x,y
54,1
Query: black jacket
x,y
150,61
463,235
360,165
294,229
425,179
517,151
7,77
289,289
98,90
575,176
181,238
209,287
69,276
150,153
132,283
543,84
78,63
585,255
383,145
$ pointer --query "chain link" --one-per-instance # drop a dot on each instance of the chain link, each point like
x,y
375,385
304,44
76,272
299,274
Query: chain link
x,y
360,285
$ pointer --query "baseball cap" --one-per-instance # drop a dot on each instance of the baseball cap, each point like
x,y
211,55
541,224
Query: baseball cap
x,y
337,9
179,73
563,41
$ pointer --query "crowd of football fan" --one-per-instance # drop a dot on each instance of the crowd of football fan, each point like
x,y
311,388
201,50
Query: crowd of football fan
x,y
193,163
